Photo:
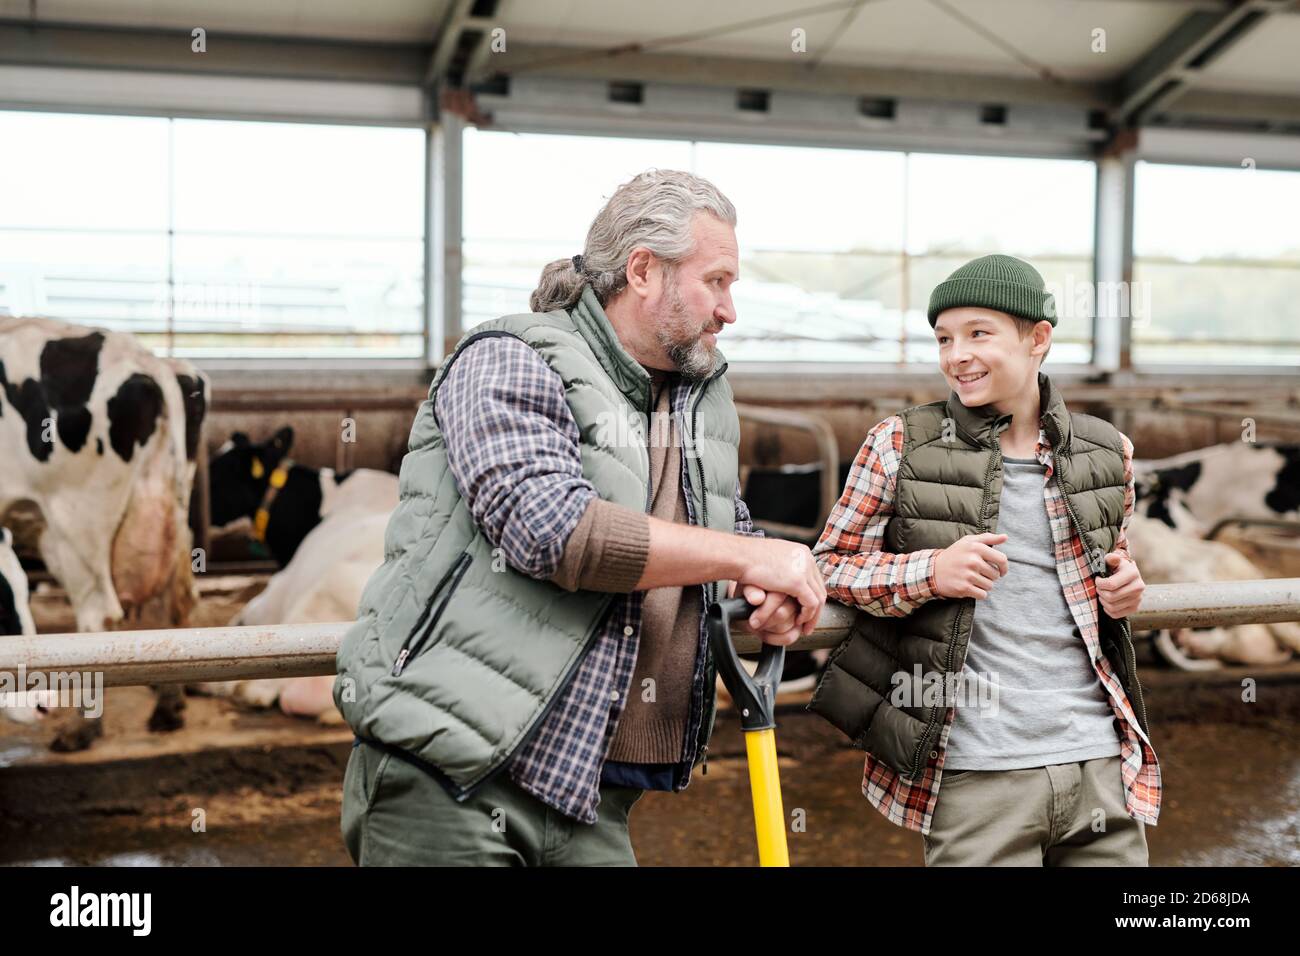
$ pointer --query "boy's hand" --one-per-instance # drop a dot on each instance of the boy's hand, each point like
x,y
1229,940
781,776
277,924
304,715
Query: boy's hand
x,y
969,566
1120,593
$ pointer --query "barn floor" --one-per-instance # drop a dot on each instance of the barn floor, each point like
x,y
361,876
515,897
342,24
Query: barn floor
x,y
240,787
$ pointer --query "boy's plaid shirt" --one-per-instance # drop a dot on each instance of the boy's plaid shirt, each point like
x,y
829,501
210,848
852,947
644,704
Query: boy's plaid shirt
x,y
858,573
513,448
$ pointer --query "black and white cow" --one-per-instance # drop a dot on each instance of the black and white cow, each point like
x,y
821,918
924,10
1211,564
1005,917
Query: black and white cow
x,y
1168,556
240,484
1194,491
1182,499
324,568
15,619
15,615
100,437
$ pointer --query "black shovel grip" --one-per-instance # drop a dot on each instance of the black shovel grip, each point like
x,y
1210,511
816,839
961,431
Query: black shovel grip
x,y
755,696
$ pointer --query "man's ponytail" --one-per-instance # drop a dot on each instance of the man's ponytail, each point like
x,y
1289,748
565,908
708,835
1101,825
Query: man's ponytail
x,y
558,288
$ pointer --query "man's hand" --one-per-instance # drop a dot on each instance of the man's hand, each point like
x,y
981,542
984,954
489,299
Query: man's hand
x,y
774,619
969,566
1120,594
780,569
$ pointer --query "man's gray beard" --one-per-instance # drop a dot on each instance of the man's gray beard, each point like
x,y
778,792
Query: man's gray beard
x,y
692,359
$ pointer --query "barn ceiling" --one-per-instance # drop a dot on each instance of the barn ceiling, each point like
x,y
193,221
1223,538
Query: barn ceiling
x,y
1164,60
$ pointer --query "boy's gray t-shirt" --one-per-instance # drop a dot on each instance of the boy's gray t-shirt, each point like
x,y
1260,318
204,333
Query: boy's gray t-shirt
x,y
1032,697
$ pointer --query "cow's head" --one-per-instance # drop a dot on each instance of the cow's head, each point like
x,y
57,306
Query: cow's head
x,y
238,475
1162,493
195,389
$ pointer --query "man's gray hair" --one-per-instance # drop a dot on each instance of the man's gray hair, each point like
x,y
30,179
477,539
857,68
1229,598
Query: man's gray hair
x,y
653,210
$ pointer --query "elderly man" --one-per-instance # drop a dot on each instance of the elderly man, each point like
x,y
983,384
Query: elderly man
x,y
533,646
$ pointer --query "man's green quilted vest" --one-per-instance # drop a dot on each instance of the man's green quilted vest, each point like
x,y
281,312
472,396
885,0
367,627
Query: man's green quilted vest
x,y
949,486
488,648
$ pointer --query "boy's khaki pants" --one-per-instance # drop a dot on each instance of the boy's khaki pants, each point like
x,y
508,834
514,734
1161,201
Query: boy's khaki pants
x,y
1067,814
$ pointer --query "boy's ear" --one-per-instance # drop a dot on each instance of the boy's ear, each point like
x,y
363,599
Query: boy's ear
x,y
1042,333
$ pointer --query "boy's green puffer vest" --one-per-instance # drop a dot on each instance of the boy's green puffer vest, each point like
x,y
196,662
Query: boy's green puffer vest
x,y
950,485
486,649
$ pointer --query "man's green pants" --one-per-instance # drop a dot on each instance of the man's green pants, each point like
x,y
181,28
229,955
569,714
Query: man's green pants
x,y
395,814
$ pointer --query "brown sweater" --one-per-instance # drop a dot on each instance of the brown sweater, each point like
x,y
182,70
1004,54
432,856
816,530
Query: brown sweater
x,y
607,551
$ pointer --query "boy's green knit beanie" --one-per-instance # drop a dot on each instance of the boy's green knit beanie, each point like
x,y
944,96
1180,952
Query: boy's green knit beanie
x,y
1003,283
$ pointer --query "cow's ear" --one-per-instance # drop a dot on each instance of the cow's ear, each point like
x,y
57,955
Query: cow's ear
x,y
282,440
240,439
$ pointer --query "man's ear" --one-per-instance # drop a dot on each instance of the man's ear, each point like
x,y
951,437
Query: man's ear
x,y
640,266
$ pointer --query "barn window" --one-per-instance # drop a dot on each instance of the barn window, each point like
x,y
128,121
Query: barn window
x,y
837,259
1217,263
212,238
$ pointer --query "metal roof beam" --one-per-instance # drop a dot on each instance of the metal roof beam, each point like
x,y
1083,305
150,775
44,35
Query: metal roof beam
x,y
792,74
228,54
462,38
1165,71
1263,112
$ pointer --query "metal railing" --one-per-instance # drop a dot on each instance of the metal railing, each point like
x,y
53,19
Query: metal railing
x,y
184,655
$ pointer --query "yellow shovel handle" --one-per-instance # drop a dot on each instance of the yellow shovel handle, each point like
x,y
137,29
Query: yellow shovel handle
x,y
765,786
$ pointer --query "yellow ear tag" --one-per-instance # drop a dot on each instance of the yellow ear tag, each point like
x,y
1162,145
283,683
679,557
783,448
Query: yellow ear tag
x,y
258,470
279,477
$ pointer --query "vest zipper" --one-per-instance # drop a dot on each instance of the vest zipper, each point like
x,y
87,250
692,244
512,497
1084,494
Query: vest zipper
x,y
1130,658
469,789
649,431
414,643
994,458
710,593
461,794
704,492
1137,684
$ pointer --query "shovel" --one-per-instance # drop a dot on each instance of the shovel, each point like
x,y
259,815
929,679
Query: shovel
x,y
755,699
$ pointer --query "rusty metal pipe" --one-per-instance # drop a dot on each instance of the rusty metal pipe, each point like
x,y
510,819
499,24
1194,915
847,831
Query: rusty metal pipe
x,y
187,655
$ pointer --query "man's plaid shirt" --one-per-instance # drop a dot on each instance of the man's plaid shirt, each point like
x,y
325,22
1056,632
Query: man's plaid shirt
x,y
858,573
513,448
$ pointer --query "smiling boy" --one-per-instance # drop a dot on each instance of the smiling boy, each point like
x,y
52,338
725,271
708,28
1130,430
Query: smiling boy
x,y
984,538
